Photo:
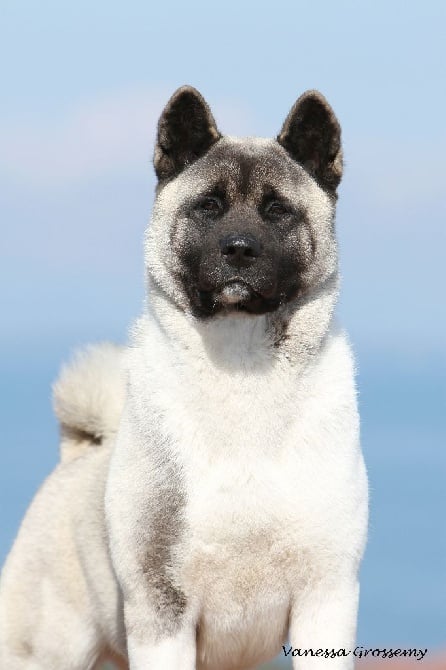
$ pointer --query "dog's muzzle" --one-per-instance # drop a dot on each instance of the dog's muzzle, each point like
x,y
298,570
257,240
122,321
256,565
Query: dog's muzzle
x,y
237,271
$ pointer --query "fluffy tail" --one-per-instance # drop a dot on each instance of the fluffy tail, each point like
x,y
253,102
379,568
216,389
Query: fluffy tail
x,y
88,398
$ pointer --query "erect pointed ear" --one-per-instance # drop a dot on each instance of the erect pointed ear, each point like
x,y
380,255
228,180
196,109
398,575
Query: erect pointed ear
x,y
186,130
312,136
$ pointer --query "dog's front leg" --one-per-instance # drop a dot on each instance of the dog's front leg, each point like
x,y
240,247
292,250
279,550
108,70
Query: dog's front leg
x,y
160,623
160,632
323,626
170,653
144,509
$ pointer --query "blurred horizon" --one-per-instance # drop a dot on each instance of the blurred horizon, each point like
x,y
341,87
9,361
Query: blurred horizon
x,y
83,88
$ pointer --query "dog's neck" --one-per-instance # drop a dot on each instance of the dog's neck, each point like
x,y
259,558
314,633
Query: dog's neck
x,y
294,333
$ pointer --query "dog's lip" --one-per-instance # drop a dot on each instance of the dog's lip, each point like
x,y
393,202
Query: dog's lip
x,y
235,291
234,285
236,279
235,295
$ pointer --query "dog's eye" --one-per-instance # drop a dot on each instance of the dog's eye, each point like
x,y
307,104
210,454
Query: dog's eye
x,y
276,209
209,205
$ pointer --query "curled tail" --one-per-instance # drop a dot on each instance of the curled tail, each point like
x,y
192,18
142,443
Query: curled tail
x,y
88,398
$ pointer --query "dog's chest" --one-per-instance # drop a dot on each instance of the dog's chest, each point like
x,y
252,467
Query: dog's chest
x,y
266,461
238,563
240,412
263,460
251,516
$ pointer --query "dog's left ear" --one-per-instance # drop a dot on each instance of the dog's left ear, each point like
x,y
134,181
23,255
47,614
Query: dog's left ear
x,y
311,135
186,130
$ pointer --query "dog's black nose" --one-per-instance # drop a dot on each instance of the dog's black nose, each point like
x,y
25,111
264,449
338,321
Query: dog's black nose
x,y
240,249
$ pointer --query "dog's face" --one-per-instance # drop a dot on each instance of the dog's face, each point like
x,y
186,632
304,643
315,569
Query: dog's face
x,y
243,225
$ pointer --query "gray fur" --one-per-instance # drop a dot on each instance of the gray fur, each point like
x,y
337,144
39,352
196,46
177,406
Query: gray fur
x,y
167,530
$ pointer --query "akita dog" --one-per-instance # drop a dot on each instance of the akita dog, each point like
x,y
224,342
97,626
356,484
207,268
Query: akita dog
x,y
212,499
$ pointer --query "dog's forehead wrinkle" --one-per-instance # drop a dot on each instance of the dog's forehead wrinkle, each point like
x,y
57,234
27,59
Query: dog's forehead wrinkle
x,y
242,168
249,170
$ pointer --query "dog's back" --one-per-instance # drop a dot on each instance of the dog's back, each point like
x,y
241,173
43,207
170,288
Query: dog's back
x,y
57,583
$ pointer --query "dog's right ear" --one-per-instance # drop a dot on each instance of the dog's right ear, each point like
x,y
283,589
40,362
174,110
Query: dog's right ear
x,y
186,130
311,135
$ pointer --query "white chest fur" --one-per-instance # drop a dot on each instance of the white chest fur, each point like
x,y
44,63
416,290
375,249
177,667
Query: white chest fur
x,y
272,472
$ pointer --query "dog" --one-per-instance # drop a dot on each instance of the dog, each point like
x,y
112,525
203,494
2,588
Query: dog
x,y
211,500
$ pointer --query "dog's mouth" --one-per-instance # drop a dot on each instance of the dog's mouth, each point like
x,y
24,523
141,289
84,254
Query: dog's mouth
x,y
236,295
234,292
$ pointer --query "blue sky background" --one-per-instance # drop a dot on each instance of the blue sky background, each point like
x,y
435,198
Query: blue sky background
x,y
82,86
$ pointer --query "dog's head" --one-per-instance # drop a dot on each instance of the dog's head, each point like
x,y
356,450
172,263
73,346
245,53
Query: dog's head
x,y
243,225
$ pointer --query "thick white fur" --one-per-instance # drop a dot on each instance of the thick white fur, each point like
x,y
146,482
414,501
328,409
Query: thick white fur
x,y
276,491
88,398
277,509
